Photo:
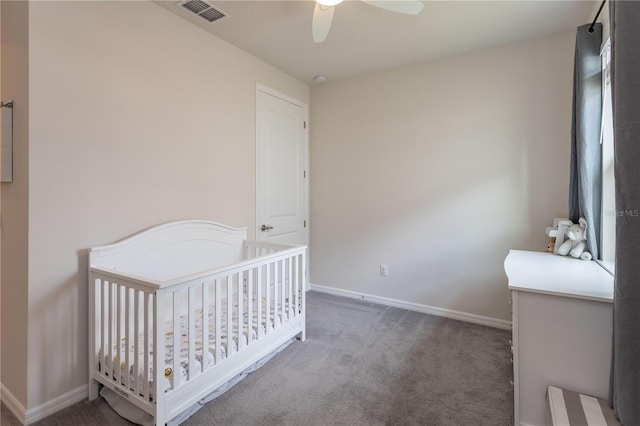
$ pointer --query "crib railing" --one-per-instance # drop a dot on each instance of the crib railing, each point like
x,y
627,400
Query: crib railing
x,y
129,317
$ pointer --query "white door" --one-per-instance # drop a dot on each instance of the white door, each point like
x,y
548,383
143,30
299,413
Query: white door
x,y
281,158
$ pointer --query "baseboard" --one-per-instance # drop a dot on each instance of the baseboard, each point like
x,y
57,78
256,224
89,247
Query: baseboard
x,y
12,403
56,404
417,307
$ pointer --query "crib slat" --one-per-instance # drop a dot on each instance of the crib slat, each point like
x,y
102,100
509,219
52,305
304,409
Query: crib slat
x,y
104,317
192,333
259,284
303,287
158,363
296,266
136,341
250,305
119,315
282,284
111,337
205,326
276,294
229,328
177,374
119,300
96,300
267,325
290,286
218,343
127,335
241,340
147,348
275,275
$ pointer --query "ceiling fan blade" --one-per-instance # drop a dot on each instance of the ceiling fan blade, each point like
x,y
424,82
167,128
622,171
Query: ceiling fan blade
x,y
410,7
322,17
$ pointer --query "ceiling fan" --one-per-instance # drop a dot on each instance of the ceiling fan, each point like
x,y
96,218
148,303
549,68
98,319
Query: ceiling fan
x,y
323,13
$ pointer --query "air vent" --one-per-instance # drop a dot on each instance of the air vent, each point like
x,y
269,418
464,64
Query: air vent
x,y
202,9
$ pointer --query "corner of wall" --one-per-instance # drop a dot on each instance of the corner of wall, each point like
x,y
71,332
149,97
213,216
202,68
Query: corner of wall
x,y
12,403
14,208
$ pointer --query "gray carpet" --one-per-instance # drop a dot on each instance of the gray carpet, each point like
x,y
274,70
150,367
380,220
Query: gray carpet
x,y
362,364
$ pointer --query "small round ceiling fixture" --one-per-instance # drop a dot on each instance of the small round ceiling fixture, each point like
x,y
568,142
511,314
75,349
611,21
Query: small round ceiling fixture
x,y
320,78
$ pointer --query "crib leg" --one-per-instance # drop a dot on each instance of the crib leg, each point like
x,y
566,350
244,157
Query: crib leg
x,y
94,387
159,420
302,335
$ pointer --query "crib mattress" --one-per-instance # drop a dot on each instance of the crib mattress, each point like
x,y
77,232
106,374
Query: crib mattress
x,y
136,373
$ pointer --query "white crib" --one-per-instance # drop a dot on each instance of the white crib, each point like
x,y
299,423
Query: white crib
x,y
233,301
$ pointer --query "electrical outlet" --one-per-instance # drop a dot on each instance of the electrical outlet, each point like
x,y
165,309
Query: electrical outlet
x,y
384,270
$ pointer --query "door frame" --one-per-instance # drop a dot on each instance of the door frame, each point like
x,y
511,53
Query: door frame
x,y
305,107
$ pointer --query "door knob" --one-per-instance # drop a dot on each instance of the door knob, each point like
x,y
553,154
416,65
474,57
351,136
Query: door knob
x,y
264,228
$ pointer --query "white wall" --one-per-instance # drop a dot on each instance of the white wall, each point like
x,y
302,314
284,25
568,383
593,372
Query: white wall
x,y
15,203
438,170
137,117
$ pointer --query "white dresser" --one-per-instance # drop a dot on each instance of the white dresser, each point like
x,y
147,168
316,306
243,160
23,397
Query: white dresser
x,y
562,328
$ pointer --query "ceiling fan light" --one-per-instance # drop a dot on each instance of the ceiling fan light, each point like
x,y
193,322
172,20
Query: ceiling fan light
x,y
328,3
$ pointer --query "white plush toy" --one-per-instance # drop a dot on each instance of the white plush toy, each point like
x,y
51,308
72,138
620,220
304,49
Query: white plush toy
x,y
558,231
576,241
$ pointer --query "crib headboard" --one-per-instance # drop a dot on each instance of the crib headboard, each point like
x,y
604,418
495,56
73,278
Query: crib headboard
x,y
172,250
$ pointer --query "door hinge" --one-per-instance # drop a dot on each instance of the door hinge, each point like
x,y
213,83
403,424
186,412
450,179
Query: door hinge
x,y
305,124
305,223
304,174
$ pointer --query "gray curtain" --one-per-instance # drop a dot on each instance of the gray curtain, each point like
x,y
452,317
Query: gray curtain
x,y
585,186
625,80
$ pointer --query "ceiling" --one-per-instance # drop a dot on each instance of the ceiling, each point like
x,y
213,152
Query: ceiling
x,y
364,39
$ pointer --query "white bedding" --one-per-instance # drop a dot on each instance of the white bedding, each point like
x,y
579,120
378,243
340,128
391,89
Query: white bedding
x,y
184,345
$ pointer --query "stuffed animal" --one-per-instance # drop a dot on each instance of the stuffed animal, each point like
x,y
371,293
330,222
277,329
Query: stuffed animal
x,y
551,244
557,233
575,243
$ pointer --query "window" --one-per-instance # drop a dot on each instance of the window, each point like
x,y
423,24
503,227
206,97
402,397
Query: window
x,y
609,213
